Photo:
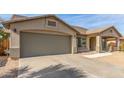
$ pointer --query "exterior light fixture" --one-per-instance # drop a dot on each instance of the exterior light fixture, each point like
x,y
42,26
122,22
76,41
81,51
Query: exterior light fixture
x,y
14,30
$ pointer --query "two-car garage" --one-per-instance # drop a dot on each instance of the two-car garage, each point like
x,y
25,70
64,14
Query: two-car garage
x,y
40,36
35,44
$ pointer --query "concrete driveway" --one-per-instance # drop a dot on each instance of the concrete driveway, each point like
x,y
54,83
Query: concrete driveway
x,y
67,66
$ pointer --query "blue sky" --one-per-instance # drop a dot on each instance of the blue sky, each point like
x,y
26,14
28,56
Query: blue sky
x,y
87,20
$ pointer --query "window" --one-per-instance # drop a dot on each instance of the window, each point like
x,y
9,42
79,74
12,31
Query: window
x,y
82,42
79,42
51,23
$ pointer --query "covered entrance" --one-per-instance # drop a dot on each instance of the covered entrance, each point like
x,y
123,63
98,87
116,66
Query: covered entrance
x,y
104,40
109,43
103,44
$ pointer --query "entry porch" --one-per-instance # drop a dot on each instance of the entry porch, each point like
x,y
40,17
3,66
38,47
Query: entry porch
x,y
105,40
98,44
103,43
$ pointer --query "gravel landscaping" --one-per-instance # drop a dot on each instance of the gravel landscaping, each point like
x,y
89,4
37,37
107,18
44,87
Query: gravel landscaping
x,y
10,64
117,58
3,60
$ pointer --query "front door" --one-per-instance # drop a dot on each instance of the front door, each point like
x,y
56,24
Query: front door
x,y
93,43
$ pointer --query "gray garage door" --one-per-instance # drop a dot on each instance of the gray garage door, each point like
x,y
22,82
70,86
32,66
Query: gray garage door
x,y
33,44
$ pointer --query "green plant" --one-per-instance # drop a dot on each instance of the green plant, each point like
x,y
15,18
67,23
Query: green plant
x,y
3,35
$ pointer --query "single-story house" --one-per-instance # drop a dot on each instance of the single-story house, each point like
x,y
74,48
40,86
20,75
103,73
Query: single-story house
x,y
49,35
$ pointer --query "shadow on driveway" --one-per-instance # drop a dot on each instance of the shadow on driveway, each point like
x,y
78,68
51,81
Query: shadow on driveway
x,y
57,71
13,73
3,60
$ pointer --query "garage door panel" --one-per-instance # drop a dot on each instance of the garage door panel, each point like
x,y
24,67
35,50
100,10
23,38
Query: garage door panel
x,y
33,44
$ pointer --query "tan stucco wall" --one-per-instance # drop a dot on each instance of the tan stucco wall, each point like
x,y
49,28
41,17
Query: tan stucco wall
x,y
42,24
98,43
37,26
88,43
74,44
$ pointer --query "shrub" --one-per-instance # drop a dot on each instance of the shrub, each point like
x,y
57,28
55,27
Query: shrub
x,y
3,35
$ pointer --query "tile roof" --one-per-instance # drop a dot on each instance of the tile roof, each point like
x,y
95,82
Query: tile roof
x,y
122,37
25,18
98,30
16,17
102,29
81,30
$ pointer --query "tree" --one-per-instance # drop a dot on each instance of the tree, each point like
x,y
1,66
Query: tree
x,y
3,34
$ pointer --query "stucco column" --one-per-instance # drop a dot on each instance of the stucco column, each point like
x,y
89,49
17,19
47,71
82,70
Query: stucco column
x,y
88,43
74,44
118,44
98,44
14,45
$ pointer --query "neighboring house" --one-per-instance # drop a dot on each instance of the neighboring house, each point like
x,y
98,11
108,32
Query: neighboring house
x,y
122,43
48,35
122,39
